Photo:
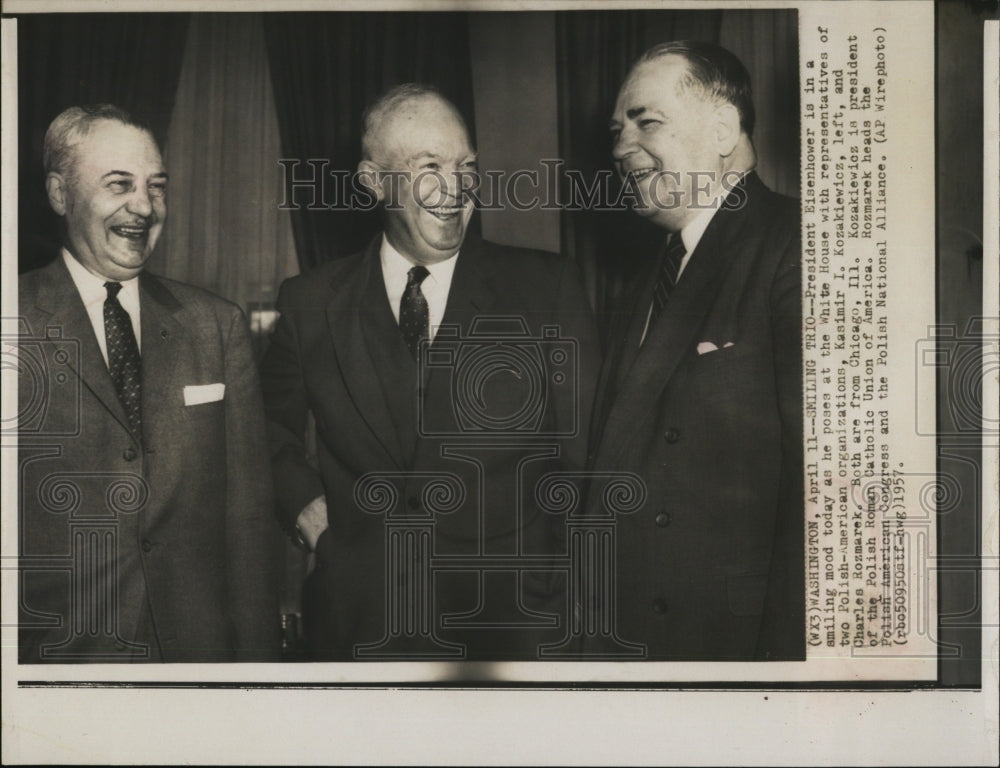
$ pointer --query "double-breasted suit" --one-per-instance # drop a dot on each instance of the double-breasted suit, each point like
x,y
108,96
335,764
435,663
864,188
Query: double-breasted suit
x,y
449,449
708,412
153,547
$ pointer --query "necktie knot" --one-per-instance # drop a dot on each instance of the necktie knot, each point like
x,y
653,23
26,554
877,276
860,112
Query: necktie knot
x,y
112,289
416,276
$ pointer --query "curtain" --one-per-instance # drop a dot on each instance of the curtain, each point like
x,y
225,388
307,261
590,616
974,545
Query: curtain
x,y
594,51
326,68
132,60
767,44
224,231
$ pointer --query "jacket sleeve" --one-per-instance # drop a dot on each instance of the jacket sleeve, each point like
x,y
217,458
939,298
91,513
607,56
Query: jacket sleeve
x,y
296,481
252,538
578,326
783,630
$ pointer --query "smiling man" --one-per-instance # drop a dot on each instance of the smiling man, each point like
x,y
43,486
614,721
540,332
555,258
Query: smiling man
x,y
701,392
145,525
433,448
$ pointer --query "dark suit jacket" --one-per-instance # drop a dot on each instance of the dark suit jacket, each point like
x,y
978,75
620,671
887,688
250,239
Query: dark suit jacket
x,y
153,547
711,566
338,355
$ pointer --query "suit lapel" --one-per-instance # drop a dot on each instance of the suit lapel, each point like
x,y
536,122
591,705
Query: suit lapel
x,y
671,338
470,296
345,316
166,345
59,298
625,333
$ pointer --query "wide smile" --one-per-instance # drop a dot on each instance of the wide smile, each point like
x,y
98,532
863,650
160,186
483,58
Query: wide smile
x,y
638,174
133,232
445,213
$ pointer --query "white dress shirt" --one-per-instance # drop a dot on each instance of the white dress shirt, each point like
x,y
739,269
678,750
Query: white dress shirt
x,y
691,235
93,293
435,286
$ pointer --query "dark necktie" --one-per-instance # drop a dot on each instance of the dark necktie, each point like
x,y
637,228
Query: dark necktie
x,y
123,356
414,317
669,268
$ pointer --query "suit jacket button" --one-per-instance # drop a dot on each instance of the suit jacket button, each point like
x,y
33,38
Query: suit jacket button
x,y
413,502
663,519
129,454
660,606
672,435
147,545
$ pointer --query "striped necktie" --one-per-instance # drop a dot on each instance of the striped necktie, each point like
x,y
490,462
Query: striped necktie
x,y
669,268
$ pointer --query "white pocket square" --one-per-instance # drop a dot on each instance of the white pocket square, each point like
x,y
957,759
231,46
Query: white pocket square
x,y
706,346
196,394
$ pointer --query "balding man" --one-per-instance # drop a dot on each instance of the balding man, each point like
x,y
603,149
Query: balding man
x,y
145,525
701,393
444,374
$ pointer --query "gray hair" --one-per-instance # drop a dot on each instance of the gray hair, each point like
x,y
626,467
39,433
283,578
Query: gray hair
x,y
713,72
70,127
379,110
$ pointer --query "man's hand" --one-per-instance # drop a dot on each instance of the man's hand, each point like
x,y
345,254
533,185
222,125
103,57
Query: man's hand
x,y
312,521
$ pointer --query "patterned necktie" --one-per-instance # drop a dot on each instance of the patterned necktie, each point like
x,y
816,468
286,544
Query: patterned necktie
x,y
414,317
669,268
123,356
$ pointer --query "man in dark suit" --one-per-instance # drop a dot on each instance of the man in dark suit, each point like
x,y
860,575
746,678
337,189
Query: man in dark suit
x,y
445,374
146,531
701,390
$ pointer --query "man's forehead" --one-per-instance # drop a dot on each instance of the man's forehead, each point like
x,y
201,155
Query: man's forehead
x,y
440,135
112,143
649,83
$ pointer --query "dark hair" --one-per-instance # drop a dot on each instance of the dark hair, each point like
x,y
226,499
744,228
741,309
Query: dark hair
x,y
71,126
712,71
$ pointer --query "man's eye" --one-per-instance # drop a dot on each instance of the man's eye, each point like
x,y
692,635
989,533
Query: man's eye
x,y
159,189
121,185
431,167
648,123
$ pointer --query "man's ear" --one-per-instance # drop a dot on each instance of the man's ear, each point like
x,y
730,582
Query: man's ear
x,y
58,192
368,175
726,128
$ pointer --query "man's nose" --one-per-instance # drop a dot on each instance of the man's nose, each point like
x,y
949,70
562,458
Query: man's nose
x,y
140,203
624,144
451,183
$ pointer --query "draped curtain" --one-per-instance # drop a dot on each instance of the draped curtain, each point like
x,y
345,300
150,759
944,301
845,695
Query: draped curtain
x,y
594,51
132,60
224,229
326,68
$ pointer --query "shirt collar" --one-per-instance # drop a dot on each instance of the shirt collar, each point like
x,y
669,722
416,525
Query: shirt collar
x,y
90,286
395,266
692,232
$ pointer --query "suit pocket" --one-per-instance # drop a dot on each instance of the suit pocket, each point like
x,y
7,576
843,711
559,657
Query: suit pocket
x,y
207,420
746,594
734,360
